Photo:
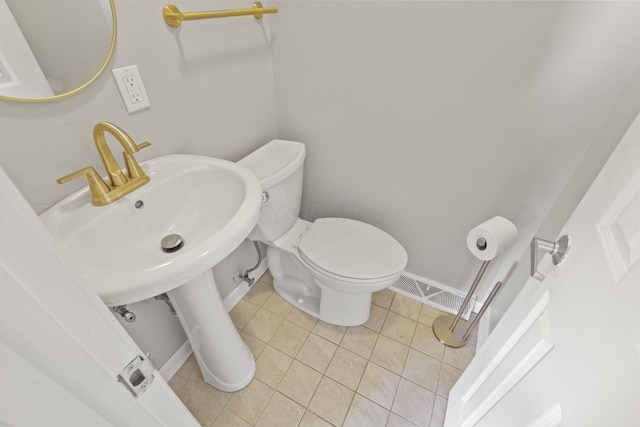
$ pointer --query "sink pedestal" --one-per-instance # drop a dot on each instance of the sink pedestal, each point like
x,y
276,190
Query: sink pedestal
x,y
213,204
224,359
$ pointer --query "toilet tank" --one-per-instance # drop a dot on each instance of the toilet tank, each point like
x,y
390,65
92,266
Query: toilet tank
x,y
279,167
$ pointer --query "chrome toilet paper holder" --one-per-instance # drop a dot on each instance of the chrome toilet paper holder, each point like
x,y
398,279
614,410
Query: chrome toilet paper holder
x,y
558,251
447,328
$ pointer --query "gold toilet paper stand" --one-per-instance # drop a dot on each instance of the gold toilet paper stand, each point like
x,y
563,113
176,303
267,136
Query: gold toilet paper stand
x,y
447,329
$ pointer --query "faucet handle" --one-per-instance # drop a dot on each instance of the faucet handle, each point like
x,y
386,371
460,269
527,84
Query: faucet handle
x,y
133,168
97,186
143,145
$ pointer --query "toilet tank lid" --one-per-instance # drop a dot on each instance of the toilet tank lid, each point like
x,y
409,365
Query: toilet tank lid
x,y
274,161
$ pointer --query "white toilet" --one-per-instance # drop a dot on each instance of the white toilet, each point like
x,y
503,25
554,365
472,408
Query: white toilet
x,y
328,268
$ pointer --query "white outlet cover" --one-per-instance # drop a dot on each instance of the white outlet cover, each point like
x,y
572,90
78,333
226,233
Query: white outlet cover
x,y
119,75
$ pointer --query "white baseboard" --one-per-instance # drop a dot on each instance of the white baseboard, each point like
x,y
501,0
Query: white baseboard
x,y
177,359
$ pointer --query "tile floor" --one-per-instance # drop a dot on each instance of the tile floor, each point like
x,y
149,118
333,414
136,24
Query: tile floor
x,y
391,371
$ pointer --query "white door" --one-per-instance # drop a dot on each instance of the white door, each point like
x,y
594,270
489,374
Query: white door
x,y
61,350
567,352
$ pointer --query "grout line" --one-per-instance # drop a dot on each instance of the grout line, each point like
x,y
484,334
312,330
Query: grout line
x,y
331,360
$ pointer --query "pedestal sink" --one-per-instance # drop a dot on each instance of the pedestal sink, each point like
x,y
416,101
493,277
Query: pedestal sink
x,y
212,205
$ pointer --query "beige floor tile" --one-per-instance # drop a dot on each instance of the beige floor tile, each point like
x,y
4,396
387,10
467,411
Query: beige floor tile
x,y
429,314
282,412
312,420
439,411
277,305
266,277
255,345
391,371
181,387
264,325
365,413
271,366
316,352
203,407
302,319
259,293
459,357
422,369
425,341
413,402
222,397
331,401
289,338
376,318
242,313
399,328
379,385
390,354
332,333
396,420
300,382
359,340
406,306
190,371
229,419
249,402
448,377
383,298
346,368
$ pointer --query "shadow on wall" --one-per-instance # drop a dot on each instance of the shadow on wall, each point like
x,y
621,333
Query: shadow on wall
x,y
427,120
609,134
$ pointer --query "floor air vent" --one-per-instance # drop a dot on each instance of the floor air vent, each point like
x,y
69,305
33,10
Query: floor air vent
x,y
443,299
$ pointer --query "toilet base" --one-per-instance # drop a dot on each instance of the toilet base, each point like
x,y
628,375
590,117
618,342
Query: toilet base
x,y
345,309
336,308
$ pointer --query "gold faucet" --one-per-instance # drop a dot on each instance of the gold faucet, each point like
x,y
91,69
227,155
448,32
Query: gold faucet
x,y
119,185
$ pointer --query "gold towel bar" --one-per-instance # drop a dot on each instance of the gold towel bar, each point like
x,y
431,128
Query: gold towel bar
x,y
173,17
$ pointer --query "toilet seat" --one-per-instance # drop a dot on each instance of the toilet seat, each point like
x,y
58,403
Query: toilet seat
x,y
351,251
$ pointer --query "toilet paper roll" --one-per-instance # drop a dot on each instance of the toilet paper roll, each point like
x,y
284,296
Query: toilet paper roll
x,y
489,239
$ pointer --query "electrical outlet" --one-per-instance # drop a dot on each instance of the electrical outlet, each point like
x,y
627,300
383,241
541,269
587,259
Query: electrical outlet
x,y
131,82
131,88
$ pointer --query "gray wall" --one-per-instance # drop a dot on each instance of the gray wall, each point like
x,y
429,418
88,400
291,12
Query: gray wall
x,y
426,118
211,89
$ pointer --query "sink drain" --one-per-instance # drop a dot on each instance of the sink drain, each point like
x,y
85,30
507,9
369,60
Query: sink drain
x,y
172,243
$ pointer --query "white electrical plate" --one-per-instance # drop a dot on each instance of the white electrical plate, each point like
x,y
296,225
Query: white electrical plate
x,y
131,88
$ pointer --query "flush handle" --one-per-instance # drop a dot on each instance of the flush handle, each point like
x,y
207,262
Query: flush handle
x,y
558,251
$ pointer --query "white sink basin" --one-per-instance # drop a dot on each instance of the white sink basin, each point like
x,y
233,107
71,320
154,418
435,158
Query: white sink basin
x,y
212,204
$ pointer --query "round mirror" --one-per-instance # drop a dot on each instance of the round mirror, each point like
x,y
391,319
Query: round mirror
x,y
51,49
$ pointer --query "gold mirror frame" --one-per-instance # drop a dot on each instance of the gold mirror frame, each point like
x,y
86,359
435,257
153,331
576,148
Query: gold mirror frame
x,y
87,83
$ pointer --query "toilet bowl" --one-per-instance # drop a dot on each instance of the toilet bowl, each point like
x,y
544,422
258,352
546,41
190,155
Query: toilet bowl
x,y
327,268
